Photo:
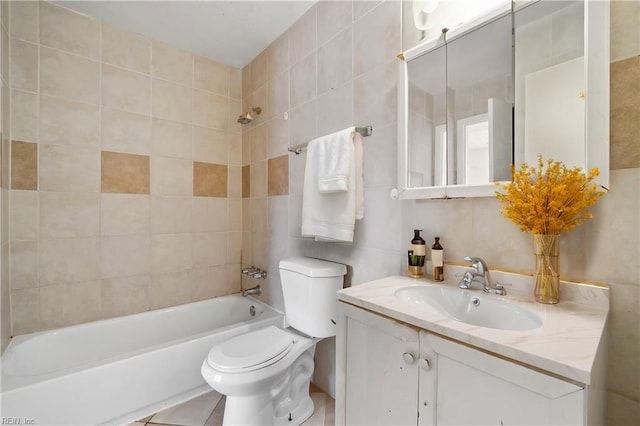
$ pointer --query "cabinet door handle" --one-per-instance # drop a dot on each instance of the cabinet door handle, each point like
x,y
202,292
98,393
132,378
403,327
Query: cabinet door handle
x,y
408,358
424,363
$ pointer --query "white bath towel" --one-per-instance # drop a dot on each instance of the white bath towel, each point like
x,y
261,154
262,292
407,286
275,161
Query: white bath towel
x,y
331,216
334,161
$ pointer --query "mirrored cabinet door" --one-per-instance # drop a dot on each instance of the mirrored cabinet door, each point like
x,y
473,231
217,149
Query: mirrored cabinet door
x,y
525,79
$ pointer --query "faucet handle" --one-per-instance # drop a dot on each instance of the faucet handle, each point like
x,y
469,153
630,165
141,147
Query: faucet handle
x,y
477,264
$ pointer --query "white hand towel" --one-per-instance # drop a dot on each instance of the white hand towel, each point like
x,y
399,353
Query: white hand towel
x,y
334,161
331,216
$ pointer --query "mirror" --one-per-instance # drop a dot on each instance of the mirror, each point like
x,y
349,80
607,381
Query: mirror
x,y
501,90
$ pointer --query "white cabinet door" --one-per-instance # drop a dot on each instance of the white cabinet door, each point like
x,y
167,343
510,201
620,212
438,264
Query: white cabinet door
x,y
462,386
377,370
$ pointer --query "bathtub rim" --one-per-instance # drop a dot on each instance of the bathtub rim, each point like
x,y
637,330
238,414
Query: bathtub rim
x,y
10,382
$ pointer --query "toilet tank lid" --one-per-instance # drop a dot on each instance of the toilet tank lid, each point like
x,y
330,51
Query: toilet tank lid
x,y
313,267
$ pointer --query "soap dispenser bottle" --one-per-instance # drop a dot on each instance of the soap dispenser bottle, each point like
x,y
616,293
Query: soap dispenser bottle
x,y
416,255
437,260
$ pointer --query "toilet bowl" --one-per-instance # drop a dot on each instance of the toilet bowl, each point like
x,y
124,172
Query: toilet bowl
x,y
265,373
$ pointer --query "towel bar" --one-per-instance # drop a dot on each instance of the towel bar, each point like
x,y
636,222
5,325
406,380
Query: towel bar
x,y
364,131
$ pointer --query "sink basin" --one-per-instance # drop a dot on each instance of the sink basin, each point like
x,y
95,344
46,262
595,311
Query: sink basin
x,y
471,307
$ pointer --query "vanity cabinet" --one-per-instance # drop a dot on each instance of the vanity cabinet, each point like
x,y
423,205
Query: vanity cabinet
x,y
393,373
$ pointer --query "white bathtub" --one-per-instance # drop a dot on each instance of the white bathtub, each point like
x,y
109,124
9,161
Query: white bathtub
x,y
119,370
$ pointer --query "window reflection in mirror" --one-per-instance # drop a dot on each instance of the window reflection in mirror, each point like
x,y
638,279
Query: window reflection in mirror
x,y
480,87
550,83
460,110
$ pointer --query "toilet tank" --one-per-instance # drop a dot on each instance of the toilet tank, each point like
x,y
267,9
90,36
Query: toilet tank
x,y
309,288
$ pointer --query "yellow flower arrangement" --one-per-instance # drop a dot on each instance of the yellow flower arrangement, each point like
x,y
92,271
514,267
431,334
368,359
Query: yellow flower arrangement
x,y
549,201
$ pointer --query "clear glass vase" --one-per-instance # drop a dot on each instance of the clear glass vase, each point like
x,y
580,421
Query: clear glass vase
x,y
547,272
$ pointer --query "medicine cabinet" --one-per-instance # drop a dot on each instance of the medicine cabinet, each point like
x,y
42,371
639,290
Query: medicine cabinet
x,y
523,79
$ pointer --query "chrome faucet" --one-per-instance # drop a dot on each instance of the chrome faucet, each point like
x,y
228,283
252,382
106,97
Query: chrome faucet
x,y
254,291
254,272
480,273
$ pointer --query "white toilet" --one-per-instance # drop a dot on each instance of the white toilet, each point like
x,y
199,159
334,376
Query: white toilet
x,y
265,373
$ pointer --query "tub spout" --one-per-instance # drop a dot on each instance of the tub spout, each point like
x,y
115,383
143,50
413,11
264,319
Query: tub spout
x,y
254,291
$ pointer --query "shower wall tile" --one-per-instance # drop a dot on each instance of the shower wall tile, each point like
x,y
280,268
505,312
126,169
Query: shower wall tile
x,y
68,304
258,179
234,222
23,215
625,23
278,176
302,36
24,65
211,76
56,67
211,145
333,16
303,123
124,296
69,214
335,110
235,110
171,139
24,264
24,116
65,260
246,181
69,31
120,148
335,62
278,60
208,282
259,70
210,214
171,63
124,214
25,310
259,143
24,165
210,110
69,168
235,182
65,122
170,215
303,80
125,256
209,249
125,132
209,180
278,137
171,101
376,39
24,20
235,83
126,49
375,95
170,253
170,289
125,173
278,98
125,90
625,113
171,176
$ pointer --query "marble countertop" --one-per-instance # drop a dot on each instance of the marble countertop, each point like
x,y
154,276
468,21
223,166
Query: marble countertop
x,y
565,344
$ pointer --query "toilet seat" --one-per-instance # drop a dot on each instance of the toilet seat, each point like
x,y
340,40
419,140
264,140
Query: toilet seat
x,y
251,351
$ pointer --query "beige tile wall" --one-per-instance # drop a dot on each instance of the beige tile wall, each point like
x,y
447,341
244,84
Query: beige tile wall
x,y
122,198
5,170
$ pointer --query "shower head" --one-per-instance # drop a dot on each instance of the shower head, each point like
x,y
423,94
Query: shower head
x,y
248,116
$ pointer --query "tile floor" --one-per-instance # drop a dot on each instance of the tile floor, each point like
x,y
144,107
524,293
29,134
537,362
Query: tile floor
x,y
208,409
